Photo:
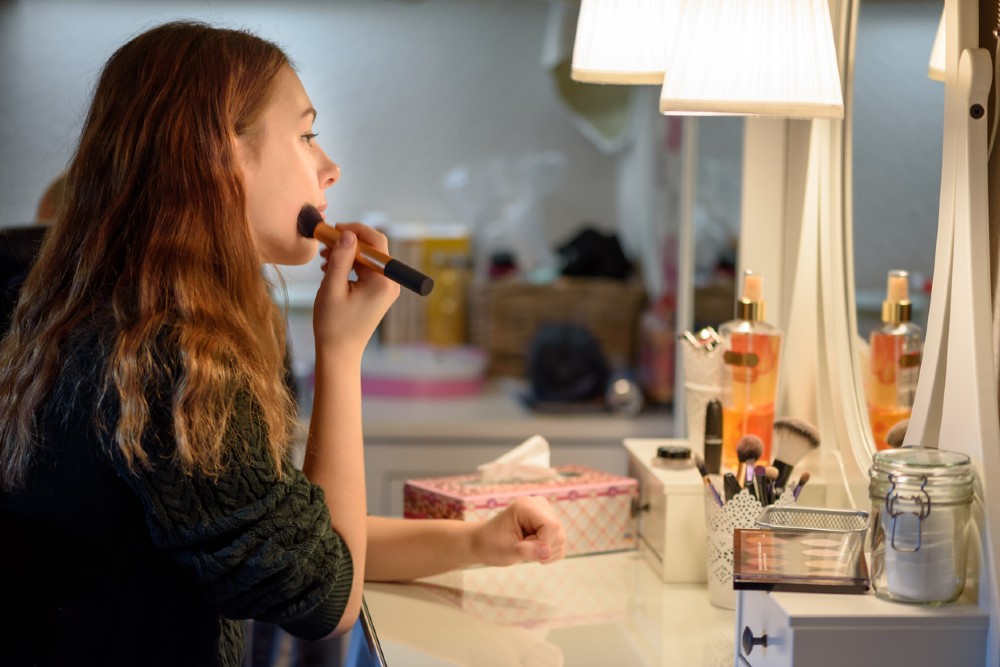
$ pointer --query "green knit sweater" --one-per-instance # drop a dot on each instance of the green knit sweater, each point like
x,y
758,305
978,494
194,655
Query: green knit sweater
x,y
100,565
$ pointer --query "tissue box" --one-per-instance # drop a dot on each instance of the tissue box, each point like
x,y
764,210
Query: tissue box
x,y
596,507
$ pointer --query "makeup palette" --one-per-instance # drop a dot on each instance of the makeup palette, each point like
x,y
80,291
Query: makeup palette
x,y
799,560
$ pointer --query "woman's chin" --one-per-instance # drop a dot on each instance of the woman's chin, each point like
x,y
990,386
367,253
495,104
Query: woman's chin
x,y
302,253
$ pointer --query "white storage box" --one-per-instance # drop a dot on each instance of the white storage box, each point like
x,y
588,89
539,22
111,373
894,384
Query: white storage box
x,y
671,513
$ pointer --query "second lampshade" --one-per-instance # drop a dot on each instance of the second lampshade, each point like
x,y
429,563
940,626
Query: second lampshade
x,y
754,57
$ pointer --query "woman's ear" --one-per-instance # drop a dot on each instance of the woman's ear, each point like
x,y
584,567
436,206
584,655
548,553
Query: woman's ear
x,y
243,149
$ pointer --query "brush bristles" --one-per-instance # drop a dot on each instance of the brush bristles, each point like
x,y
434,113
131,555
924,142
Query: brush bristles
x,y
794,439
749,447
700,465
896,434
309,217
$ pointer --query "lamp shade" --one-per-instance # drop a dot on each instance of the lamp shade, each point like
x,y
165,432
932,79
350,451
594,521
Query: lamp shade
x,y
754,57
623,41
935,68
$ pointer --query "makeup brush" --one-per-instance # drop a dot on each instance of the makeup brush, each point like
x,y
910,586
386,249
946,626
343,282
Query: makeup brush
x,y
770,478
793,440
748,449
730,486
311,225
700,464
758,483
802,482
894,438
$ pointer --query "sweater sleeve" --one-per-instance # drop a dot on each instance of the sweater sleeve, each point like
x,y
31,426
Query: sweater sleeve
x,y
260,546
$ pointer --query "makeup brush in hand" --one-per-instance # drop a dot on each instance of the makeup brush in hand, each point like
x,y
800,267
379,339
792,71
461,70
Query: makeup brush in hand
x,y
749,448
894,438
311,225
793,440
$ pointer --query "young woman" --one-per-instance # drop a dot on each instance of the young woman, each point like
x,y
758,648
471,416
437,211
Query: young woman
x,y
145,495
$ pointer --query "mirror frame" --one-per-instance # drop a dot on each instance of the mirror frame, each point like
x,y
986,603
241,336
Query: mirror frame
x,y
856,426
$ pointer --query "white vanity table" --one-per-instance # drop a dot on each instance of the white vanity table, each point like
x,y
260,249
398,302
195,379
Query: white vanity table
x,y
608,609
616,609
612,609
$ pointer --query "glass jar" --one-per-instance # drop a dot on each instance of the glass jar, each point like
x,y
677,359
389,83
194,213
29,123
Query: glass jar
x,y
919,528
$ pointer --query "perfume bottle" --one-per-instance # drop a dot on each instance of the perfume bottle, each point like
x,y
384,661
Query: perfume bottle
x,y
751,355
895,350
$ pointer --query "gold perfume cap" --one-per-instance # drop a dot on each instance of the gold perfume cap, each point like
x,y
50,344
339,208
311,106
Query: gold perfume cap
x,y
897,306
750,305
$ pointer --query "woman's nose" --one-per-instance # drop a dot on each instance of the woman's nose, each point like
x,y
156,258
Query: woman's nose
x,y
330,173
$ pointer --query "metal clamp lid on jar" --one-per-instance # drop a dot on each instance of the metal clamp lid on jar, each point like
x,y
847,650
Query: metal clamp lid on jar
x,y
913,479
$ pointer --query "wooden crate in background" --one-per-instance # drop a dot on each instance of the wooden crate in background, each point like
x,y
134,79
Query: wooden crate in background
x,y
506,315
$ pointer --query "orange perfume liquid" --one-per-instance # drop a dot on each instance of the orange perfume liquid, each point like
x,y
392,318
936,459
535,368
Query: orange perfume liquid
x,y
737,423
895,363
751,385
883,419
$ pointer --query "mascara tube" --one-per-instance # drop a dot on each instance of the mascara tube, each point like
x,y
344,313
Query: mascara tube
x,y
713,436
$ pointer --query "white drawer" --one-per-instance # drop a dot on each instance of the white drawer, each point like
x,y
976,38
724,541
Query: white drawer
x,y
672,516
829,630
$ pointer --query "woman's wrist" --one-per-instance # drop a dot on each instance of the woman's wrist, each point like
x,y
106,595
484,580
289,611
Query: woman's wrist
x,y
339,359
471,542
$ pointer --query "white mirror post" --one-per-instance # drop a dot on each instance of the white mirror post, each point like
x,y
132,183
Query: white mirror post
x,y
956,402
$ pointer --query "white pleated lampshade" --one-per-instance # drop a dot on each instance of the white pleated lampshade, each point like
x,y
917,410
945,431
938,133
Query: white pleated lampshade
x,y
623,41
753,57
935,68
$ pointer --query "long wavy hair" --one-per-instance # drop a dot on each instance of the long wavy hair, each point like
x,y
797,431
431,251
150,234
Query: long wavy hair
x,y
154,244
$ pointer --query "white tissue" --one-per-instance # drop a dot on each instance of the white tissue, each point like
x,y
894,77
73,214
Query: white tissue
x,y
528,462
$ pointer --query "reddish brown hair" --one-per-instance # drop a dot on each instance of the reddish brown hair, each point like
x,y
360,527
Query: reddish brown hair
x,y
153,242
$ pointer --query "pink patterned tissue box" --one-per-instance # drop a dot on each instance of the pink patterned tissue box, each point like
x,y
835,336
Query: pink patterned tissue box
x,y
595,507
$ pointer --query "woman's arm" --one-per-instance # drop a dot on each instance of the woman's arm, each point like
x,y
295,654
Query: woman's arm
x,y
402,549
344,317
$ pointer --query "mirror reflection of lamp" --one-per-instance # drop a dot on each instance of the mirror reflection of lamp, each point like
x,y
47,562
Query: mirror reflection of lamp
x,y
935,67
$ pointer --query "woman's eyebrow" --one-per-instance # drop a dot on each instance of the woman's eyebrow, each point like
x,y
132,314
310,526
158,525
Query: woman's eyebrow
x,y
309,111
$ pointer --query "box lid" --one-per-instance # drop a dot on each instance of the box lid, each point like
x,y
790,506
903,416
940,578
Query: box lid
x,y
573,481
680,482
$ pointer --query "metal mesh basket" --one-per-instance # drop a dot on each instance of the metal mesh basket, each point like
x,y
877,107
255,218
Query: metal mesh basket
x,y
813,518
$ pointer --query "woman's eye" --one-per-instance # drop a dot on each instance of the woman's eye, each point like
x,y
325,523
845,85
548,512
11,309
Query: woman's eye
x,y
309,136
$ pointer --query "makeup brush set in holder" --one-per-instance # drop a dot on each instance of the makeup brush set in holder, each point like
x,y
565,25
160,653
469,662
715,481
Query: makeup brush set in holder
x,y
748,492
721,521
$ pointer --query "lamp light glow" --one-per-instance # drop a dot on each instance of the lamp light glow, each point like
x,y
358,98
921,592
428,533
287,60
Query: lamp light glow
x,y
623,41
753,57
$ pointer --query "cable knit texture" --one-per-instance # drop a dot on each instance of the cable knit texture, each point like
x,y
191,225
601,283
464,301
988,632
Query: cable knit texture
x,y
101,565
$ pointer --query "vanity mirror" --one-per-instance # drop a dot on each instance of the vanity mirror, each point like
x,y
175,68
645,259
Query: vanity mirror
x,y
891,202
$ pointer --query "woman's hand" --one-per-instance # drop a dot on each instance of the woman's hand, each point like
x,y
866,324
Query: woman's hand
x,y
347,312
527,530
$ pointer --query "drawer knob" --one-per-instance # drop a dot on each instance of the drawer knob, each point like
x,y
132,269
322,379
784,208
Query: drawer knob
x,y
636,508
749,641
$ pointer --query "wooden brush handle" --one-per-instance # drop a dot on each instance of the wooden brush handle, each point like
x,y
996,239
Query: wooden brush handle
x,y
376,260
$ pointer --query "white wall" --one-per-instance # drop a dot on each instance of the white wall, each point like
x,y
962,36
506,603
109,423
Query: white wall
x,y
405,91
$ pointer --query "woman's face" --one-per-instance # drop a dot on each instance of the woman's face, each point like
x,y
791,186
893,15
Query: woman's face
x,y
284,168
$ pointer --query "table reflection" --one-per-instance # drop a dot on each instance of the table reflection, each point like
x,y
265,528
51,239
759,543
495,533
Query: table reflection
x,y
609,609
